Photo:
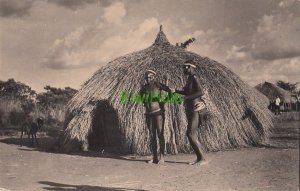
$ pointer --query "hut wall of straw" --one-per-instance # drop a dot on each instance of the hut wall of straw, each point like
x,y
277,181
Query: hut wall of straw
x,y
238,114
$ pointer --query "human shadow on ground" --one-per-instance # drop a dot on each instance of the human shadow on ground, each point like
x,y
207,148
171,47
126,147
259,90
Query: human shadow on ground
x,y
46,145
176,162
60,186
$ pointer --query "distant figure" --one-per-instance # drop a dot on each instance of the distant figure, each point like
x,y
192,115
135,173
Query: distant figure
x,y
195,109
272,106
154,114
277,105
31,128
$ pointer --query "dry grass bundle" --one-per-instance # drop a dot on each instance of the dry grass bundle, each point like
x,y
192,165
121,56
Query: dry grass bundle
x,y
239,114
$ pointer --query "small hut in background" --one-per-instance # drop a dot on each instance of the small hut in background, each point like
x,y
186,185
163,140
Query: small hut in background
x,y
288,102
99,120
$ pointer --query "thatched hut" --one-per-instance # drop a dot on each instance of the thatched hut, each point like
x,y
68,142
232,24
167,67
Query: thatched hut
x,y
98,119
272,91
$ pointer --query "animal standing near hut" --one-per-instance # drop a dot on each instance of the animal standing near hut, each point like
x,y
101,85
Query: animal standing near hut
x,y
31,128
98,119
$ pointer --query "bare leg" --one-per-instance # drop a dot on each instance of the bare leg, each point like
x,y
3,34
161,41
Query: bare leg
x,y
32,140
37,143
160,132
21,139
193,123
161,159
193,139
28,138
154,145
149,126
153,142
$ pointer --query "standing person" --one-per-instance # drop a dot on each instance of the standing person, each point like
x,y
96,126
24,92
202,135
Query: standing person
x,y
277,105
154,114
194,108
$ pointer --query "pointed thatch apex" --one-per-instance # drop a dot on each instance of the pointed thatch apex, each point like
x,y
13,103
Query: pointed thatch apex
x,y
161,38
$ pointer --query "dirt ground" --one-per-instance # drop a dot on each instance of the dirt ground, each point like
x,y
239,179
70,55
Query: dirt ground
x,y
265,168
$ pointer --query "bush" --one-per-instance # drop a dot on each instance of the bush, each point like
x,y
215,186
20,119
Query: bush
x,y
2,113
16,117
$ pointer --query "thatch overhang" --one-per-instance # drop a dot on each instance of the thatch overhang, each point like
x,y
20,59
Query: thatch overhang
x,y
238,113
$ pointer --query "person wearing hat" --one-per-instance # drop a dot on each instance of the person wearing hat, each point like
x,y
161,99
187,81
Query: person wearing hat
x,y
154,114
195,108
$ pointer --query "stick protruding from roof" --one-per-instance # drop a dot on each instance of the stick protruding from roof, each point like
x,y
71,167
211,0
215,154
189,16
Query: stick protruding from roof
x,y
161,38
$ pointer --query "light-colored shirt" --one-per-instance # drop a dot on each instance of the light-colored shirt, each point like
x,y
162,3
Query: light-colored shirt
x,y
277,101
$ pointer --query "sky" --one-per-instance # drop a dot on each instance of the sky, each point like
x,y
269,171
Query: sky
x,y
63,42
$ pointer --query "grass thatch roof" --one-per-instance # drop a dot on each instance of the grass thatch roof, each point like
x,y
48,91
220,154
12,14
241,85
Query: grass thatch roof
x,y
239,114
271,91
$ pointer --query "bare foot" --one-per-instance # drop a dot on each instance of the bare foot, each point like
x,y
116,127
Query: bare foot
x,y
152,161
161,161
198,162
194,162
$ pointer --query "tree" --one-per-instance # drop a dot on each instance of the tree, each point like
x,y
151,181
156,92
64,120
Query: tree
x,y
291,87
54,96
52,103
11,89
17,101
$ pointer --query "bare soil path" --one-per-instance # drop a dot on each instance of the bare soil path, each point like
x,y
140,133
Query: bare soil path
x,y
271,168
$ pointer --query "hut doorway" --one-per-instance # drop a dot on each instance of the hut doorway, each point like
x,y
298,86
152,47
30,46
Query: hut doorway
x,y
105,132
